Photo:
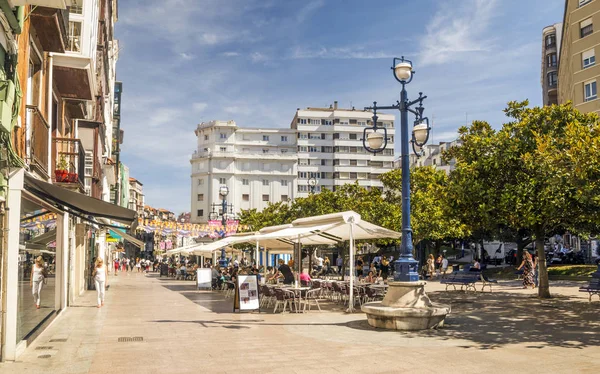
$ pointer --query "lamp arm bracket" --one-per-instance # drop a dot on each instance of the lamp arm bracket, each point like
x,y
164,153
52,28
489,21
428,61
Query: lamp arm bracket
x,y
419,100
413,111
392,107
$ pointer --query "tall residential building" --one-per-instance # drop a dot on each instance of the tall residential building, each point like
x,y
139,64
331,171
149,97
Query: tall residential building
x,y
551,40
136,196
330,148
258,166
578,72
432,156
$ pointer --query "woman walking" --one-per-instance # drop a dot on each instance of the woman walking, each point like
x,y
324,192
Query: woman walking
x,y
527,266
430,266
100,280
36,281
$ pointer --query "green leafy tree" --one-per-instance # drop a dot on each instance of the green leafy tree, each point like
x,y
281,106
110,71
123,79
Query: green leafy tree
x,y
539,173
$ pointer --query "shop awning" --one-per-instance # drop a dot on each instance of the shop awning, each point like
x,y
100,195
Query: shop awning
x,y
121,234
79,203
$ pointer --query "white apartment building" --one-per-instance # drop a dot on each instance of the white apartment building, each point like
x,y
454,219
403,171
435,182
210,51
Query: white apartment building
x,y
330,148
433,157
258,166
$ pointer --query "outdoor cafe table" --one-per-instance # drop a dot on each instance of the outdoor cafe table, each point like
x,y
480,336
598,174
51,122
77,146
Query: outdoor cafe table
x,y
297,291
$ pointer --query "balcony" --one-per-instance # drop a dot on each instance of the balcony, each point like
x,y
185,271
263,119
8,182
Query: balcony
x,y
37,150
59,4
51,27
71,154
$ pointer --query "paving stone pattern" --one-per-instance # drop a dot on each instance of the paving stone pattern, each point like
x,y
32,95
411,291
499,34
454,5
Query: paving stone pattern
x,y
154,325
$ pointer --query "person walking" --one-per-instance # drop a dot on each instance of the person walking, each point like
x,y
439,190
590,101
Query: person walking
x,y
100,280
36,281
116,266
528,269
430,266
339,263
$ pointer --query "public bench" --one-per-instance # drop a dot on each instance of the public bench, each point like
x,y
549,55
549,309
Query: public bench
x,y
467,279
593,288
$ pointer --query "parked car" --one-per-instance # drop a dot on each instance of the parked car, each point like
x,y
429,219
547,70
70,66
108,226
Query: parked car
x,y
511,256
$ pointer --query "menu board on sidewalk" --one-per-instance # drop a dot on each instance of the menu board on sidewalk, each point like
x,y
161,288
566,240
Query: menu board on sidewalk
x,y
246,293
204,278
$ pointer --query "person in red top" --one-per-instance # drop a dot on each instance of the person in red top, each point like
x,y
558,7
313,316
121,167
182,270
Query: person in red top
x,y
116,266
304,278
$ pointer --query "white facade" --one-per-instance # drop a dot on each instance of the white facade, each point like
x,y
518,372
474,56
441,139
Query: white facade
x,y
257,165
433,157
330,148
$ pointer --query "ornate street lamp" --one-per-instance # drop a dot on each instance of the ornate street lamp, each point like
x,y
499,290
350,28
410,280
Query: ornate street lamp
x,y
375,141
223,191
313,182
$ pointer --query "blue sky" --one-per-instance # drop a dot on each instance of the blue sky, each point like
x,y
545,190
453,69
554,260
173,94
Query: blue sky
x,y
255,61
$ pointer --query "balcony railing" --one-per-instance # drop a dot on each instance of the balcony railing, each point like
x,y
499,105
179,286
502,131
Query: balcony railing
x,y
38,144
72,152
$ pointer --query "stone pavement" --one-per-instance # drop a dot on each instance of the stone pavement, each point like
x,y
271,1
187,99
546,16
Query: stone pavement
x,y
188,331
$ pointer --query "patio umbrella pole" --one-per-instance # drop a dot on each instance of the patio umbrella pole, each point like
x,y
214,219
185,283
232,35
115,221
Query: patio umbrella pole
x,y
351,296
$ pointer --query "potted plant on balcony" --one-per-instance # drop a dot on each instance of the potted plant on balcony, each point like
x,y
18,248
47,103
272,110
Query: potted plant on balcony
x,y
61,173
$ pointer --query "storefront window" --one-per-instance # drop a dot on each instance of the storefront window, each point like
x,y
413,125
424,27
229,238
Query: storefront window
x,y
37,241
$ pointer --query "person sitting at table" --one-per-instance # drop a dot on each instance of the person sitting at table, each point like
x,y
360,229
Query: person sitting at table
x,y
284,271
183,271
257,273
305,278
371,278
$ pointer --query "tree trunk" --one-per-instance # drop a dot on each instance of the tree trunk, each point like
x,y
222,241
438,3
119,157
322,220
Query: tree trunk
x,y
544,285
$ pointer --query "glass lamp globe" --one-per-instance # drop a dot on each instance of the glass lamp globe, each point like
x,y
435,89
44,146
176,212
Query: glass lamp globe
x,y
403,71
420,132
375,140
223,191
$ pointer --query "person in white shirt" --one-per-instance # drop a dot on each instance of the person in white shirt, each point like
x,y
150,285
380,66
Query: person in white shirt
x,y
444,265
37,280
100,280
319,263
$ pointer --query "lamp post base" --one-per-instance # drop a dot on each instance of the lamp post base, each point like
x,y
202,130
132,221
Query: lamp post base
x,y
406,306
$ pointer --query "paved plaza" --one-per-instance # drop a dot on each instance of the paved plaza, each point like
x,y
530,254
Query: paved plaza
x,y
187,331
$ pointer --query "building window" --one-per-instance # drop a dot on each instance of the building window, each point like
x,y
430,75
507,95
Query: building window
x,y
583,2
284,150
200,197
362,123
265,182
74,37
302,188
302,175
315,121
302,121
200,212
245,197
222,181
353,162
313,149
590,92
245,182
284,183
223,136
588,58
552,79
76,8
284,198
200,182
551,60
284,139
302,149
265,150
266,138
587,27
551,41
223,149
265,197
327,122
352,136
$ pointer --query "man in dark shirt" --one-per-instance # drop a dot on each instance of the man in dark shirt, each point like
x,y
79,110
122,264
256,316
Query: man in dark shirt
x,y
284,272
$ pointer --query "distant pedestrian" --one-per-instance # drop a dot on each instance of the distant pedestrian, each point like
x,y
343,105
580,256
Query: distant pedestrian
x,y
339,262
138,266
100,280
444,265
36,281
430,266
385,267
116,266
528,269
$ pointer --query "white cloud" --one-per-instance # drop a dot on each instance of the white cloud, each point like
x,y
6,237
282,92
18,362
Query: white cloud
x,y
199,107
308,9
230,54
186,56
355,52
456,31
258,57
